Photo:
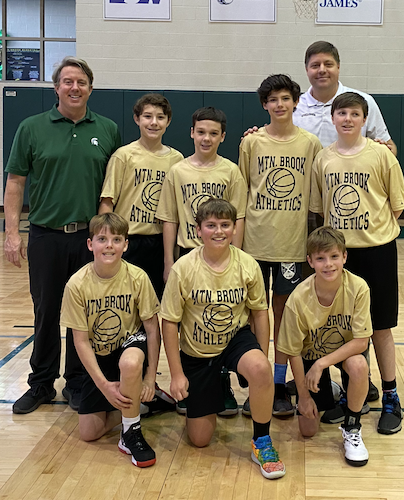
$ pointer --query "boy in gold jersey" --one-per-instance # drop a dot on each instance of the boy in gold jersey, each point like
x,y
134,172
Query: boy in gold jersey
x,y
359,187
133,183
112,308
211,292
327,322
276,165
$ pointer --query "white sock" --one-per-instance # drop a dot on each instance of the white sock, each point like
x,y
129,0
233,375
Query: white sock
x,y
128,421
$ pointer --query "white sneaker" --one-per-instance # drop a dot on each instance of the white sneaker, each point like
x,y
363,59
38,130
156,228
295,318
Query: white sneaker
x,y
356,453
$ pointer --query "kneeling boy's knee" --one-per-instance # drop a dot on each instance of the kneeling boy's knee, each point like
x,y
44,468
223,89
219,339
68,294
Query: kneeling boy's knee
x,y
357,366
260,370
131,365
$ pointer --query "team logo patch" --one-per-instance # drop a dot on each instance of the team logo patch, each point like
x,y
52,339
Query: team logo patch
x,y
94,141
151,195
346,200
280,183
217,317
288,270
136,337
107,326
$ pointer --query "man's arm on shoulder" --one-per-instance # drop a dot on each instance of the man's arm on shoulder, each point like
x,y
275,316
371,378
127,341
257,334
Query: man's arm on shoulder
x,y
179,382
88,358
261,328
14,247
307,406
390,144
152,329
170,230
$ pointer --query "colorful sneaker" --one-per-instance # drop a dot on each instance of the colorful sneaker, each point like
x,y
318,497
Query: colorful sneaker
x,y
33,398
246,408
337,414
162,401
264,454
133,443
181,407
390,420
282,405
356,453
373,393
230,402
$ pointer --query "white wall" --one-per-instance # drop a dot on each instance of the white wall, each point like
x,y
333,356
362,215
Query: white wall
x,y
192,54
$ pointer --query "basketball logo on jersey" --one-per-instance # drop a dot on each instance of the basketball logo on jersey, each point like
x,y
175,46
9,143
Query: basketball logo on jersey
x,y
328,339
280,182
107,326
346,200
217,317
288,270
197,201
151,195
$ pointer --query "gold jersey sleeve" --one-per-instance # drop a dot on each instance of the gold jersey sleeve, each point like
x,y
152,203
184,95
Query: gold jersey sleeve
x,y
187,186
312,330
110,310
133,181
277,174
212,306
358,193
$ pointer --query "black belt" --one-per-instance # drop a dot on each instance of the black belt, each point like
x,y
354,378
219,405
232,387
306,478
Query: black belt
x,y
72,227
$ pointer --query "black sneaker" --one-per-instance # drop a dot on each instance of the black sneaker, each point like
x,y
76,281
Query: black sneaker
x,y
390,420
162,401
33,398
133,443
73,397
291,387
246,408
230,402
373,393
282,404
337,414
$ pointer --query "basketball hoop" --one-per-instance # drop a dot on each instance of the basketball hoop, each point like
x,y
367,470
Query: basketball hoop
x,y
306,8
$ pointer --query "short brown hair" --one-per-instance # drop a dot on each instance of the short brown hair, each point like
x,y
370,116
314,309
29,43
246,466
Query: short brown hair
x,y
321,48
276,83
154,100
323,239
73,61
116,224
350,100
221,209
210,113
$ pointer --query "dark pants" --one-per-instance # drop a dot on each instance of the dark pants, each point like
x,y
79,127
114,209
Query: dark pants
x,y
53,256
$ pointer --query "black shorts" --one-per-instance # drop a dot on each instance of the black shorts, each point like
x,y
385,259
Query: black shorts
x,y
92,399
147,252
285,276
378,267
205,391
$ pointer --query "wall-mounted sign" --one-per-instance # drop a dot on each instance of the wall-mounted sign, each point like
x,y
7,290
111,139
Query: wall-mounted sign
x,y
242,11
350,12
22,64
138,10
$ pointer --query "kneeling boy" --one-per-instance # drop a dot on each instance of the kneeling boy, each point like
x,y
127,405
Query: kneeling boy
x,y
112,308
212,291
327,322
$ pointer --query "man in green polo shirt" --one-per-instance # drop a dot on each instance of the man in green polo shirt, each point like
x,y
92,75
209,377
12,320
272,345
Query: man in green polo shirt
x,y
65,151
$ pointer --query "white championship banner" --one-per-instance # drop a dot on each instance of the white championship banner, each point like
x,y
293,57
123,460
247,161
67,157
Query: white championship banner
x,y
242,11
138,10
367,12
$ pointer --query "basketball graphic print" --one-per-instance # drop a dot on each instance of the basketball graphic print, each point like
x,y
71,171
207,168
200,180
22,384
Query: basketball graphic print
x,y
217,317
197,201
107,326
329,339
151,195
280,183
346,200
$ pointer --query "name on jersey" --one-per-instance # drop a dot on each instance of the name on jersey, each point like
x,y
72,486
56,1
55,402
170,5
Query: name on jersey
x,y
232,296
208,338
119,302
354,178
292,162
147,175
211,188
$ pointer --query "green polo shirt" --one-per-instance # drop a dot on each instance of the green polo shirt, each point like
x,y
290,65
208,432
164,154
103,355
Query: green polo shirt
x,y
66,162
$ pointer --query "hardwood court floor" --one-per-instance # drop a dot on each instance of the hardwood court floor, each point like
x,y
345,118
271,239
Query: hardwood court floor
x,y
41,456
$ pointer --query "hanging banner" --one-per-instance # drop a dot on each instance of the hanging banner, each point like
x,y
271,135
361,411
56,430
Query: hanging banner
x,y
138,10
242,11
366,12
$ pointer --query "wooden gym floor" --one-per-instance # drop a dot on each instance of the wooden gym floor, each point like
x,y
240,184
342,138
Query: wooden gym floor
x,y
41,456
